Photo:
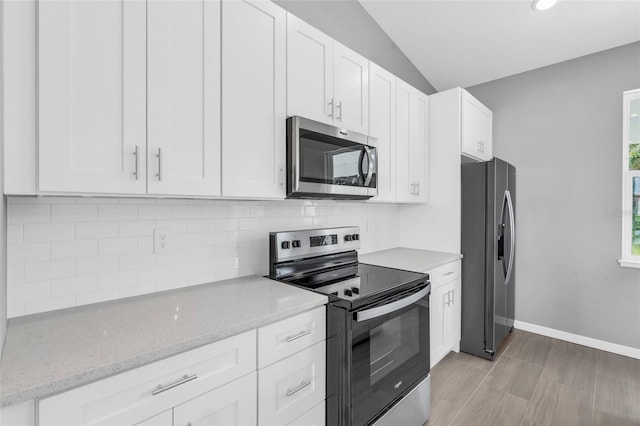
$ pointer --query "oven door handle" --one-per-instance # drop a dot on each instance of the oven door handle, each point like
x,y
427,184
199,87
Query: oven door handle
x,y
378,311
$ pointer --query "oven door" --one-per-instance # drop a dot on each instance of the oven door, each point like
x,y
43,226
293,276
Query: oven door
x,y
327,162
390,352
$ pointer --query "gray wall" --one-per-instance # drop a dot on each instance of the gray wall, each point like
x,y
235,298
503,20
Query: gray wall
x,y
348,22
3,211
561,126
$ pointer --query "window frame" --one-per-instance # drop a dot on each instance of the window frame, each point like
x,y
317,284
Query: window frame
x,y
628,259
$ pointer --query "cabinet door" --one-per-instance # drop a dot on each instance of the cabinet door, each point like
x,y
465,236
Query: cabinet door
x,y
291,387
309,71
233,404
476,128
162,419
452,318
184,97
437,322
91,96
405,186
350,89
419,147
382,126
253,99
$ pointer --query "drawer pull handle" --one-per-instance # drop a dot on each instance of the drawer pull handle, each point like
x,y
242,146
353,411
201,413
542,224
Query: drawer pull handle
x,y
183,380
448,273
299,335
298,388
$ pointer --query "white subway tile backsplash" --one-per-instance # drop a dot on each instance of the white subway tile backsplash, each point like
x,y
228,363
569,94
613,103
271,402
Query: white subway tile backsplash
x,y
29,292
118,246
74,213
76,285
136,229
28,253
50,304
154,212
43,232
109,251
73,249
96,230
118,212
40,271
97,264
118,279
28,213
14,234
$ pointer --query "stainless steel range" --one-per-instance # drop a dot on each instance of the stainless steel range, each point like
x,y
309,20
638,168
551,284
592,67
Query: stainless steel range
x,y
377,327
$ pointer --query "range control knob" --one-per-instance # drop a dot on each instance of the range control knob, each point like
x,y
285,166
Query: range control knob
x,y
295,243
348,237
355,290
285,245
347,292
355,237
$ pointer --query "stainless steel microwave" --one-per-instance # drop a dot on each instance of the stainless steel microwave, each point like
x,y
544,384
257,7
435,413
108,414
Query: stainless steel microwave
x,y
324,161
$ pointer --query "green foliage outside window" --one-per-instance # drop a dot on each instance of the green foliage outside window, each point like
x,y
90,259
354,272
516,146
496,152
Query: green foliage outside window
x,y
634,156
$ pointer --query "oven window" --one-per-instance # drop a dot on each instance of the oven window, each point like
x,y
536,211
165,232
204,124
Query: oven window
x,y
392,344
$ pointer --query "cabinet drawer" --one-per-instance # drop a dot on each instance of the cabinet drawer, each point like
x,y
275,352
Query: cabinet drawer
x,y
444,273
313,417
138,394
291,387
233,404
283,338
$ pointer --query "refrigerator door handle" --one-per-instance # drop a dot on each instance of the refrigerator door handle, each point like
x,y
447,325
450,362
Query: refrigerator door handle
x,y
512,246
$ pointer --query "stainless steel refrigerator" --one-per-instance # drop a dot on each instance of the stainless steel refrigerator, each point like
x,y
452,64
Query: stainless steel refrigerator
x,y
488,246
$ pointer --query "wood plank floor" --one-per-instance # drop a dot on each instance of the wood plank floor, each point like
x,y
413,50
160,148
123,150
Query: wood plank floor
x,y
536,381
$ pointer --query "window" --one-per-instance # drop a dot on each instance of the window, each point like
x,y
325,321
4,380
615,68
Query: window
x,y
631,179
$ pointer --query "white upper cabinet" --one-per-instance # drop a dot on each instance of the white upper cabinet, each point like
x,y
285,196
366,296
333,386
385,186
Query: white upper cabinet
x,y
91,96
419,147
412,144
183,60
350,89
309,71
326,81
253,99
382,126
477,128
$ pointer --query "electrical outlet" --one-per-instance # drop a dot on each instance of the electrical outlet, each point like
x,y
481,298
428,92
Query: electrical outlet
x,y
161,240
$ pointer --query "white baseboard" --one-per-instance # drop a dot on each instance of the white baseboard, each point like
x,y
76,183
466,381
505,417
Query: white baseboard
x,y
578,339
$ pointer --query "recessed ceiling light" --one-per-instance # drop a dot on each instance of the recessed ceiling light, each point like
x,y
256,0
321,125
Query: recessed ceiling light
x,y
542,4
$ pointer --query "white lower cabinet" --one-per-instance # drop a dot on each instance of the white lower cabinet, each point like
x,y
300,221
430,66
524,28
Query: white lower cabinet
x,y
231,405
291,387
445,311
162,419
314,417
215,385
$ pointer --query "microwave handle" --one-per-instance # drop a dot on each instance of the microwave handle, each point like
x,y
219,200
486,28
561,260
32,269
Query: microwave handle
x,y
371,161
378,311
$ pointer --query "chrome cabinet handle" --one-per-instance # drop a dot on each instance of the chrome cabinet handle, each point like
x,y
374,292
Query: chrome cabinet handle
x,y
448,301
159,157
448,273
418,186
181,381
331,108
453,297
303,384
299,335
413,188
136,154
339,108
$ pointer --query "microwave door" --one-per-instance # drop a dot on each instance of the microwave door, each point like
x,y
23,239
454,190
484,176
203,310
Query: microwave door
x,y
343,166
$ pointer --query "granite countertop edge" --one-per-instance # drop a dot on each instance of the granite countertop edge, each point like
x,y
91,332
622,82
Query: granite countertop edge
x,y
105,371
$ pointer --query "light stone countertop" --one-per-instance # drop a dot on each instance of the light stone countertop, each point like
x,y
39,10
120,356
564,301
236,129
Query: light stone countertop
x,y
409,259
56,351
